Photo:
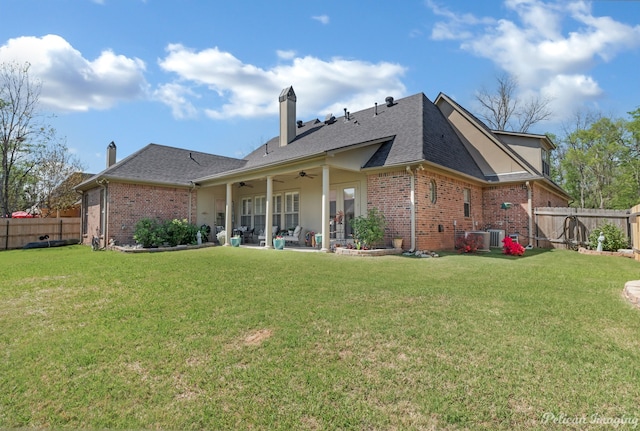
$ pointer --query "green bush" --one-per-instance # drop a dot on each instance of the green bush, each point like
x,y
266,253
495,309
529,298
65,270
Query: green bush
x,y
614,238
369,230
153,233
180,232
149,233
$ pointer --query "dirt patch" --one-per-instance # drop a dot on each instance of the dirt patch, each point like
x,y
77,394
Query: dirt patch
x,y
258,337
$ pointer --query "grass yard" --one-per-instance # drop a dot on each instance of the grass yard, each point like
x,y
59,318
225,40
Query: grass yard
x,y
233,338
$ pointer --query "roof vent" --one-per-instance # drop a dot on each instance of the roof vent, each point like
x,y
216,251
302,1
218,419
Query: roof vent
x,y
329,119
299,123
389,101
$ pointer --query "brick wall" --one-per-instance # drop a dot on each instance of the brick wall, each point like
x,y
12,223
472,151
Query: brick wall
x,y
542,197
128,203
390,192
93,215
514,220
434,221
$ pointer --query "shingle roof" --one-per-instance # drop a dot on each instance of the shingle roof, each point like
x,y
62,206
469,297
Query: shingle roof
x,y
166,165
415,128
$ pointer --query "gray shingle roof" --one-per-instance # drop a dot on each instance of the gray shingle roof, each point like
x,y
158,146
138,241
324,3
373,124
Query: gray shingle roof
x,y
414,126
166,165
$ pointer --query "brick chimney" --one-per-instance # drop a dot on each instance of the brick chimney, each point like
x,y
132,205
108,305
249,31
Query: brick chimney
x,y
111,154
287,116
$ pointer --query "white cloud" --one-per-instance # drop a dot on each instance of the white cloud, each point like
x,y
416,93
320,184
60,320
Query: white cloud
x,y
176,96
72,83
250,91
455,26
286,55
535,48
323,19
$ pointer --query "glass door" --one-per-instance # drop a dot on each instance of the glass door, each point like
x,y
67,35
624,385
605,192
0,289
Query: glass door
x,y
342,209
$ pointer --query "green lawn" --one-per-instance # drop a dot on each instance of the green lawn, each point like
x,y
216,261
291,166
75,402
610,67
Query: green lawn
x,y
233,338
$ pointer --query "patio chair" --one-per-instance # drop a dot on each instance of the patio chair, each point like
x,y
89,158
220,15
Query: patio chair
x,y
247,234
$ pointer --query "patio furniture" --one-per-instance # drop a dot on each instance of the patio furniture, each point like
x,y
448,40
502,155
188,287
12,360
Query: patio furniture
x,y
263,239
247,235
296,236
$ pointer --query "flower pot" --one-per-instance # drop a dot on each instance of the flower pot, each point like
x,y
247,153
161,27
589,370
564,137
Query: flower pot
x,y
235,241
397,243
318,240
278,243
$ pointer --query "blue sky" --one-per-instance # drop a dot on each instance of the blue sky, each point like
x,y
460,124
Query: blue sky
x,y
205,75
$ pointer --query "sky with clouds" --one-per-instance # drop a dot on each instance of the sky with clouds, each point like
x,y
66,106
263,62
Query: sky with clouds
x,y
206,75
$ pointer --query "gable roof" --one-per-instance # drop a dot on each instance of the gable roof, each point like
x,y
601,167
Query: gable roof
x,y
491,134
159,164
411,130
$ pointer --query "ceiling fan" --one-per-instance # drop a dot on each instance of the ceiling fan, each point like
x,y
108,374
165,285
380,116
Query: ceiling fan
x,y
303,174
243,184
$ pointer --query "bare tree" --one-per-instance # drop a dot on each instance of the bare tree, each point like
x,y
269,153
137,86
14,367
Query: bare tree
x,y
27,145
504,110
52,184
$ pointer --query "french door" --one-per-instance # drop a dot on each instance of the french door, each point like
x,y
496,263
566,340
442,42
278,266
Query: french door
x,y
343,207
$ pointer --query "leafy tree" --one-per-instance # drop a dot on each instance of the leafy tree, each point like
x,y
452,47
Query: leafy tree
x,y
33,161
599,162
502,109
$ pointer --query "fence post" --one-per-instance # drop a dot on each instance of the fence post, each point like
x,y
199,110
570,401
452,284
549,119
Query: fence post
x,y
6,239
60,234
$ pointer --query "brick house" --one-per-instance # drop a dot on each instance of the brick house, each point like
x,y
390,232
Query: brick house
x,y
432,168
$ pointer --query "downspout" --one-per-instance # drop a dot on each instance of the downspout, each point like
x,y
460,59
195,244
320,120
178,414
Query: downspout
x,y
103,228
412,201
193,186
530,211
82,217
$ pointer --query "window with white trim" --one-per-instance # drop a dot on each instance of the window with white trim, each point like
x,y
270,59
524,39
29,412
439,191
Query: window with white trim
x,y
260,216
467,202
291,210
276,211
246,212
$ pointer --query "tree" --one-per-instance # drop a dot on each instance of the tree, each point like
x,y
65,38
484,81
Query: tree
x,y
27,144
599,162
504,110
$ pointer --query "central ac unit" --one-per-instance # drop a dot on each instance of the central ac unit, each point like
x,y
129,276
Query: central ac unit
x,y
496,237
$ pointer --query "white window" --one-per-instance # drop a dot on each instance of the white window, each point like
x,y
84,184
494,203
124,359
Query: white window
x,y
276,211
260,216
246,212
291,210
467,202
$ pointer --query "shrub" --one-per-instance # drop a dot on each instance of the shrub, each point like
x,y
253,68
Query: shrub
x,y
469,243
152,233
368,230
512,248
614,238
149,233
180,232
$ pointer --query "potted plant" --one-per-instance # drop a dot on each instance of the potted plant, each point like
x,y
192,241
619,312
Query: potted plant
x,y
278,242
235,241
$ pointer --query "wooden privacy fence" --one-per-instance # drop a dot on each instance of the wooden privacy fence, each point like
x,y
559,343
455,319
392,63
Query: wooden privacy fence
x,y
16,232
570,227
634,218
